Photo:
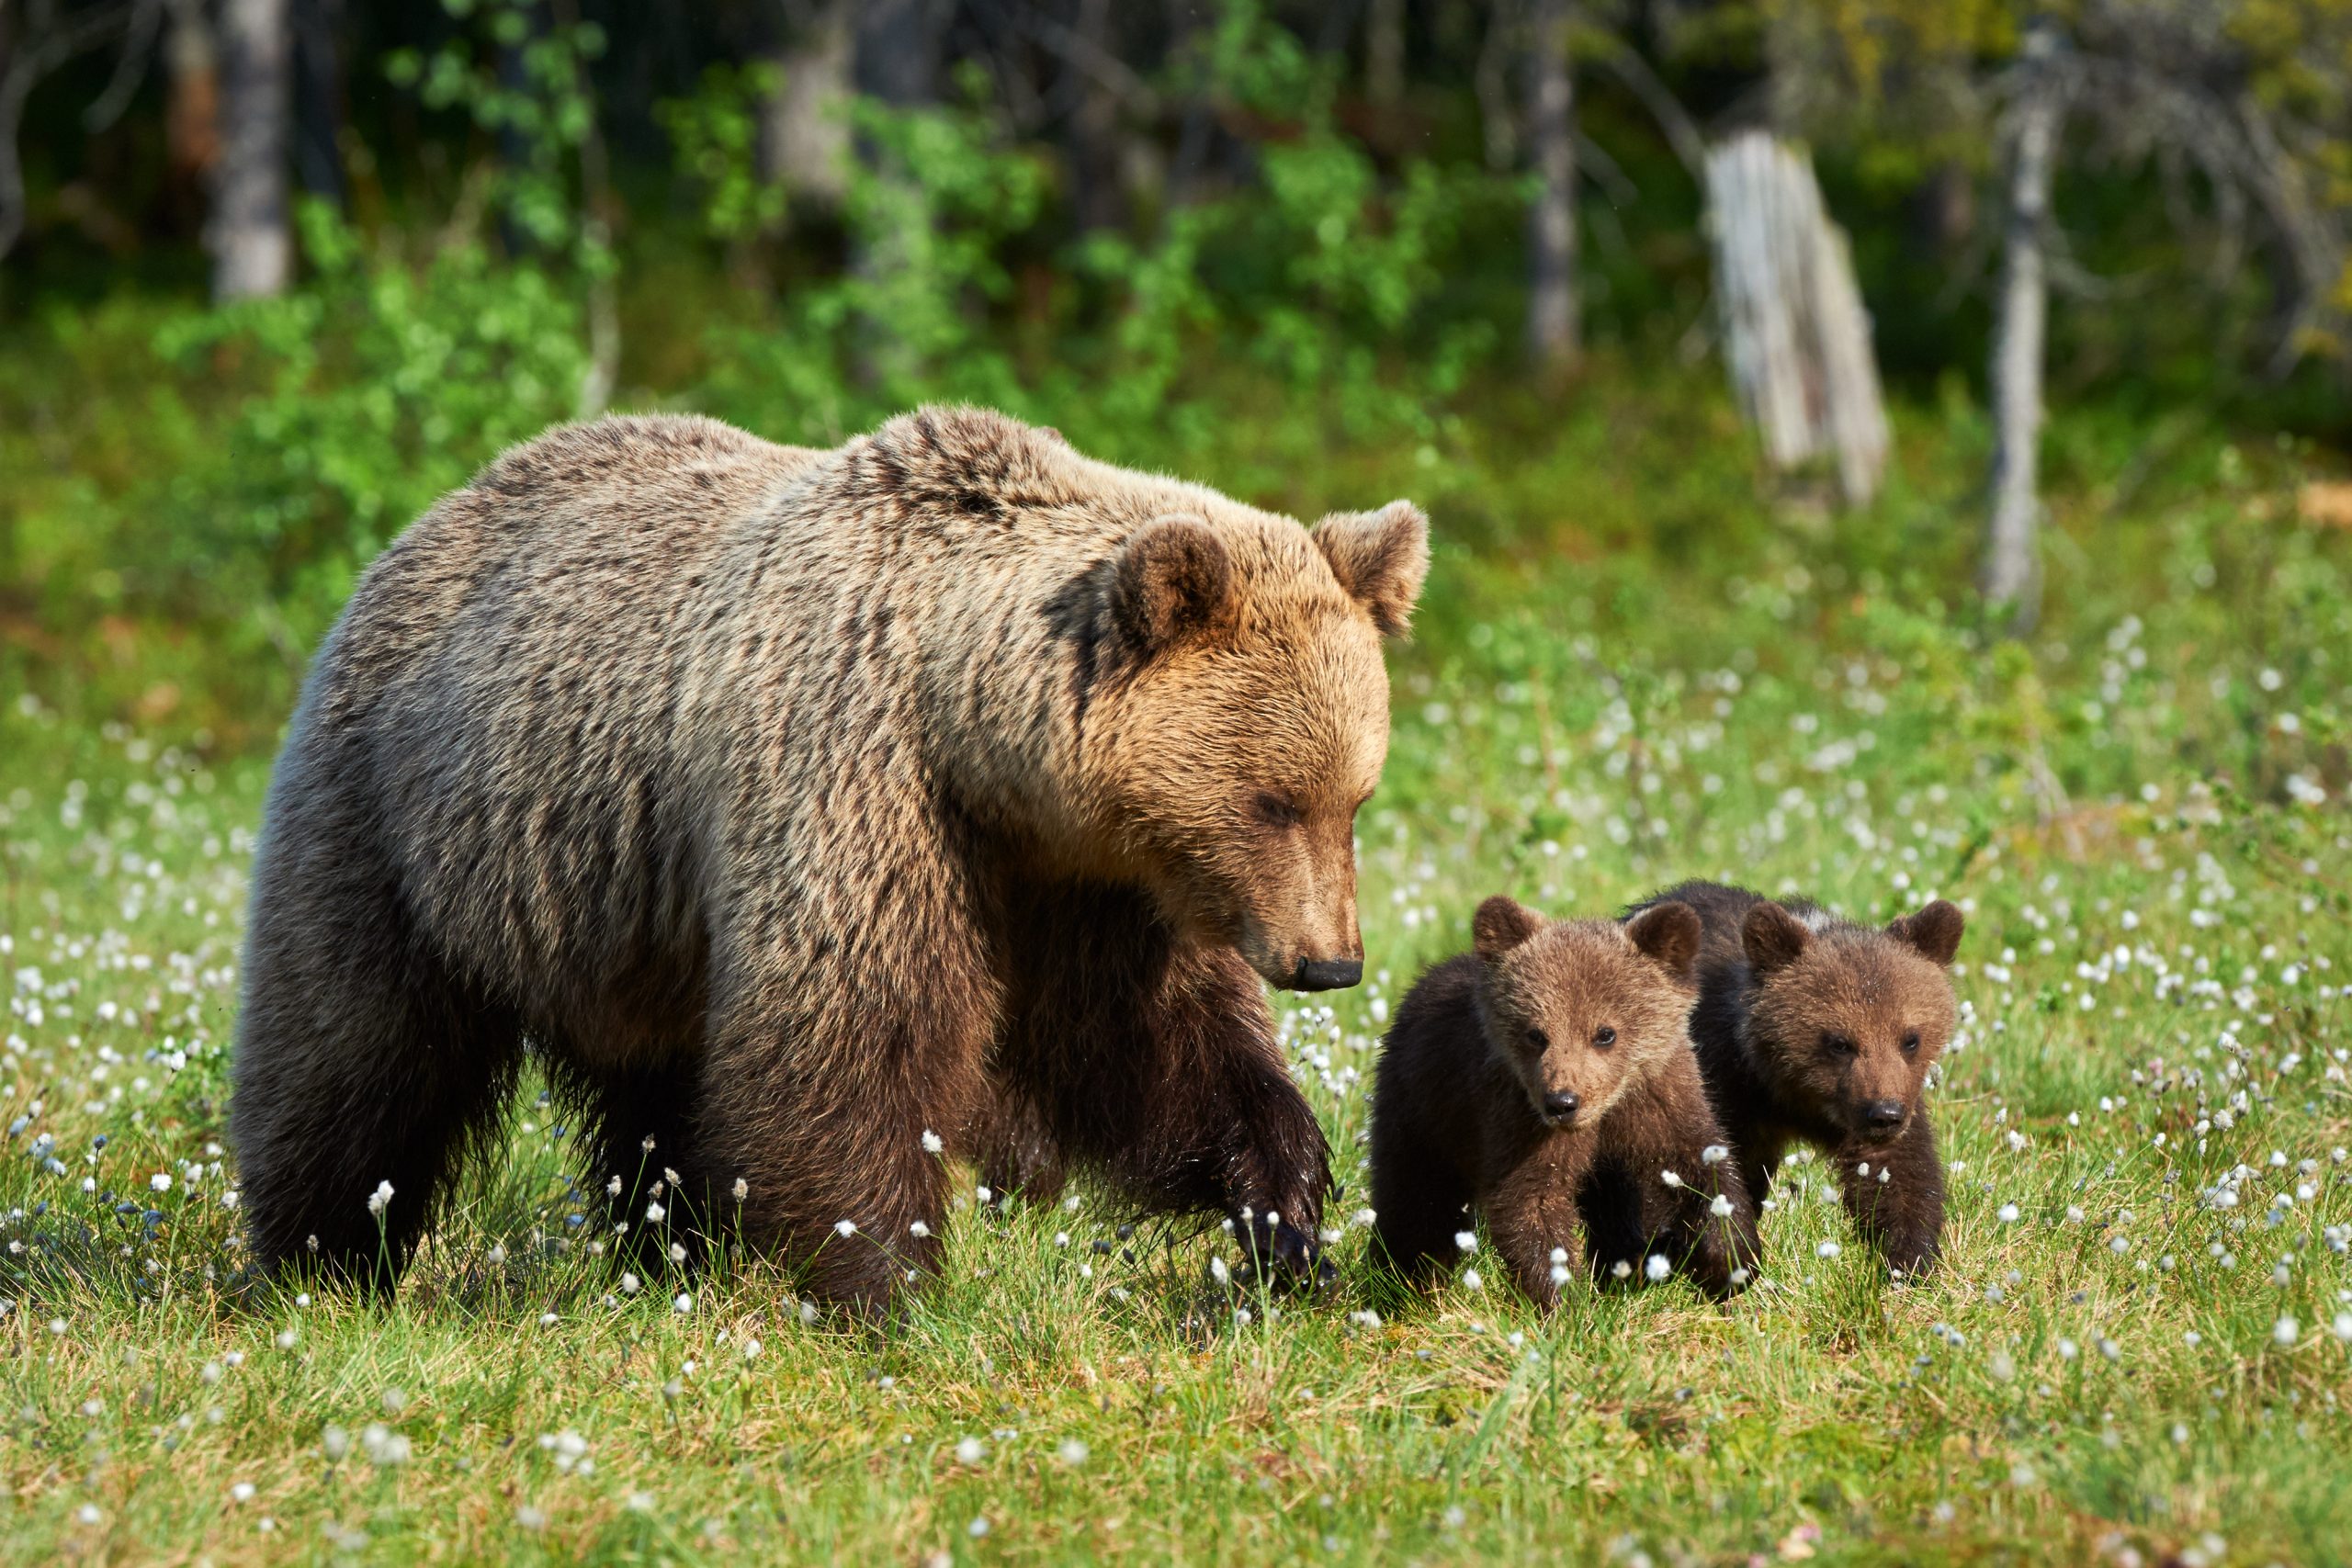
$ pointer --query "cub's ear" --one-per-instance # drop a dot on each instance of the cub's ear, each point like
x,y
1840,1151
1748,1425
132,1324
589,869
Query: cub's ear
x,y
1172,577
1668,935
1934,930
1772,938
1501,924
1381,558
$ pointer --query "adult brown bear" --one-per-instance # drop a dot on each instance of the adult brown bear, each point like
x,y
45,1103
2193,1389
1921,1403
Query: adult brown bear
x,y
805,810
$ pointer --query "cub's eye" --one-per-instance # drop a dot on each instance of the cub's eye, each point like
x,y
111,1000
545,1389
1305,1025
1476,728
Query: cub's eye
x,y
1277,811
1910,1041
1603,1038
1538,1041
1837,1045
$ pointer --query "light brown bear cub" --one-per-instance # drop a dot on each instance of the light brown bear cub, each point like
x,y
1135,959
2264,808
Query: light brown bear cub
x,y
1813,1029
1508,1072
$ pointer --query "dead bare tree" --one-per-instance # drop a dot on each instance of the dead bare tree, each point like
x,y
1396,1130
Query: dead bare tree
x,y
803,126
2011,575
251,235
1553,339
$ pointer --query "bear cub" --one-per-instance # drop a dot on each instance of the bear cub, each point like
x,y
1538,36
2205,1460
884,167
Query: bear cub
x,y
1505,1072
1814,1028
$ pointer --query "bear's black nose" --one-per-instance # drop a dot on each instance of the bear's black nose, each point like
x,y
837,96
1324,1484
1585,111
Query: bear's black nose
x,y
1884,1114
1326,974
1559,1105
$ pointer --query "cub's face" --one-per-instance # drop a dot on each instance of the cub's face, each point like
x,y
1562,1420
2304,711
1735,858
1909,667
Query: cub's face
x,y
1849,1020
1582,1010
1242,721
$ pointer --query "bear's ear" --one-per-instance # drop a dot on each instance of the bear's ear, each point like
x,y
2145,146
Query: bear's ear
x,y
1381,558
1501,924
1668,935
1172,577
1934,932
1772,938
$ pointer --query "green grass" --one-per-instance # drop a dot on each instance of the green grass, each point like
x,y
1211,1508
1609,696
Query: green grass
x,y
2153,978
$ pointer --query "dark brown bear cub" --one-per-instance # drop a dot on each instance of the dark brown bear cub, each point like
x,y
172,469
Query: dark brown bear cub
x,y
1506,1073
1813,1029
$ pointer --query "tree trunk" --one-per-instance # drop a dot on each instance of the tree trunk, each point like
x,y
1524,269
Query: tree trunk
x,y
1795,334
318,99
2012,572
1097,192
804,127
253,249
1552,335
898,50
1384,53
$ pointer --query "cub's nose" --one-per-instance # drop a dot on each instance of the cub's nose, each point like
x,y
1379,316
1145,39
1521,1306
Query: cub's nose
x,y
1326,974
1883,1114
1559,1106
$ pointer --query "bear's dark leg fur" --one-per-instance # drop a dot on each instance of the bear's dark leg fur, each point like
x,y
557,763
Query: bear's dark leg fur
x,y
1530,1212
1420,1200
1665,1126
1156,1062
625,1111
1902,1211
1015,1150
360,1058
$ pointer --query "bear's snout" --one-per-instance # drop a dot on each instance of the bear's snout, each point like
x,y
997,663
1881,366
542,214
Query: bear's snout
x,y
1326,974
1883,1115
1560,1108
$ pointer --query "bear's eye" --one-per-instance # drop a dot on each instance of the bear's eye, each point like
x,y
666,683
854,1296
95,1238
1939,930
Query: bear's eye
x,y
1911,1041
1538,1041
1277,811
1837,1045
1603,1038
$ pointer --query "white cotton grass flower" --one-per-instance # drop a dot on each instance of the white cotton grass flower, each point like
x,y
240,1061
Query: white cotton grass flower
x,y
1721,1207
1466,1240
160,1181
1828,1249
655,1214
1670,1177
1714,1154
1472,1281
931,1143
378,1200
918,1230
2286,1331
1655,1268
684,1301
1072,1452
2008,1213
844,1228
743,1189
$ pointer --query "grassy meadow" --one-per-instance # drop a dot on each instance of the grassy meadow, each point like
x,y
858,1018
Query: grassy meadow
x,y
1629,669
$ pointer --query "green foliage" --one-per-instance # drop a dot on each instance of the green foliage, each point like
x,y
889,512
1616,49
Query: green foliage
x,y
542,111
717,134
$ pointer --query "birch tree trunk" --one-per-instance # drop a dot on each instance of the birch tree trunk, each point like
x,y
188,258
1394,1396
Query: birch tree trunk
x,y
2012,572
804,127
253,249
1794,328
1552,335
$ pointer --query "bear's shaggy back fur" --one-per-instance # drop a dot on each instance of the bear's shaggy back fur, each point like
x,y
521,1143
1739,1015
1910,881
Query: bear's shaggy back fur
x,y
753,782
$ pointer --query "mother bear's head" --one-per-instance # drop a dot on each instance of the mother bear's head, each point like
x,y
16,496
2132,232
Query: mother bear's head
x,y
1243,720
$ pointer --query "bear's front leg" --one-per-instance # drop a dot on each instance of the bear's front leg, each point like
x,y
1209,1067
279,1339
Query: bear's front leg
x,y
1156,1063
1895,1196
1530,1214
